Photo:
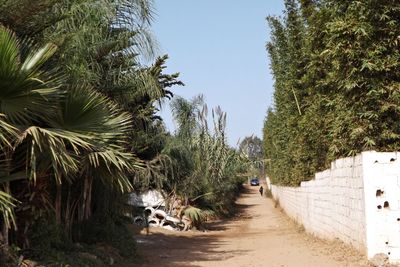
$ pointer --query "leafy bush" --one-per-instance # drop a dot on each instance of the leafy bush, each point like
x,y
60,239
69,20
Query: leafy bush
x,y
46,237
114,233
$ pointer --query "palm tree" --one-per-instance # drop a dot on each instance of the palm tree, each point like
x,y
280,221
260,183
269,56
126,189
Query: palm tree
x,y
186,115
71,132
24,99
78,133
98,121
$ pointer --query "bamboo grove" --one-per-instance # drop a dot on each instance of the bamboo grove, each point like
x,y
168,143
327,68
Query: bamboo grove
x,y
79,130
336,66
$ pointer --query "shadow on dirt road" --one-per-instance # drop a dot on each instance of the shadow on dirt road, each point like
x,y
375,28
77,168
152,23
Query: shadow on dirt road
x,y
165,248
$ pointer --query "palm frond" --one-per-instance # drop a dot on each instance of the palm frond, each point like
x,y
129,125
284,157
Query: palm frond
x,y
56,144
25,89
7,205
197,215
8,132
93,116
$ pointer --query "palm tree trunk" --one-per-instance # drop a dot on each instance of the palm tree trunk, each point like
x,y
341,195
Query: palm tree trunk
x,y
58,202
87,198
68,215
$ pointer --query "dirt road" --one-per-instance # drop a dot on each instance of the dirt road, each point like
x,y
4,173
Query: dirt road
x,y
261,235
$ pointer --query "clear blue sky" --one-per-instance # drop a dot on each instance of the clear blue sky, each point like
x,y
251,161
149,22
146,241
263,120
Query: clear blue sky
x,y
218,46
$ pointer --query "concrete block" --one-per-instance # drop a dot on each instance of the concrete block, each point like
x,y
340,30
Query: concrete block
x,y
342,202
349,162
373,157
392,168
339,163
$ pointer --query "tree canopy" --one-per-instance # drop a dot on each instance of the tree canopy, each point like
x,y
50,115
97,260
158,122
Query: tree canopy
x,y
336,71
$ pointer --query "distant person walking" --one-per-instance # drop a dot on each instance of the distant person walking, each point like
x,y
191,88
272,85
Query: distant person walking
x,y
261,190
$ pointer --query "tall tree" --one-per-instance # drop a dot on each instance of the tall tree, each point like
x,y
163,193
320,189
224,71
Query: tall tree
x,y
69,122
252,147
337,64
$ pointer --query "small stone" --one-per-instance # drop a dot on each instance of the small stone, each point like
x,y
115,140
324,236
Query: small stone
x,y
380,260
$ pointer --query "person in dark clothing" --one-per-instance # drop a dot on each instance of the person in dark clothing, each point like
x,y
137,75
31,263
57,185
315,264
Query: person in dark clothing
x,y
261,190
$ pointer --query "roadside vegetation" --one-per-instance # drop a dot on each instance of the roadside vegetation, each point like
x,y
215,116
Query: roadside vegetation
x,y
79,130
336,66
209,173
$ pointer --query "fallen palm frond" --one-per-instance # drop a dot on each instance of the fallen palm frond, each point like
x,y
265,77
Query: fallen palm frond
x,y
197,216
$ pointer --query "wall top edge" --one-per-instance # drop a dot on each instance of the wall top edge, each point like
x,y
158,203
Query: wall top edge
x,y
363,158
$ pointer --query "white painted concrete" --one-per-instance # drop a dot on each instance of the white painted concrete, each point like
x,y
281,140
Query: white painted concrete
x,y
151,198
348,200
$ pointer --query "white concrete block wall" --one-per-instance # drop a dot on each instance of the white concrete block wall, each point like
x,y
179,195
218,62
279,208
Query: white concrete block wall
x,y
329,205
382,201
357,200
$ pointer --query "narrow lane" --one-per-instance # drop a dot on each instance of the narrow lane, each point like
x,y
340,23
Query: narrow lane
x,y
261,235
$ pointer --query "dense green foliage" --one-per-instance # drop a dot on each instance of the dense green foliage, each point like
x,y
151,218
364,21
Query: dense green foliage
x,y
336,66
74,100
203,170
79,131
252,148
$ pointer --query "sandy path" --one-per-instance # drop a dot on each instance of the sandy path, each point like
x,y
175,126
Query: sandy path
x,y
260,236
